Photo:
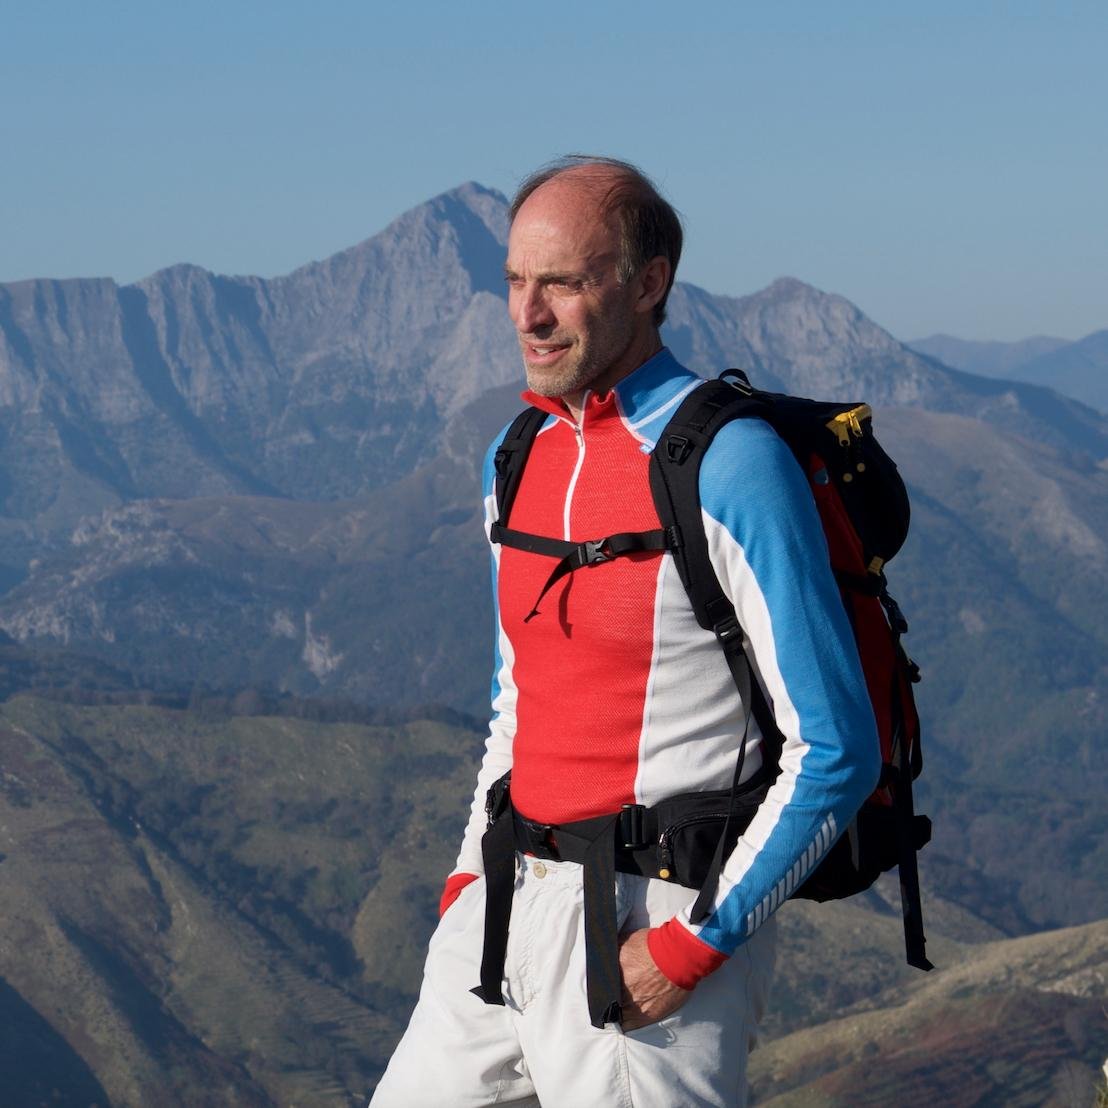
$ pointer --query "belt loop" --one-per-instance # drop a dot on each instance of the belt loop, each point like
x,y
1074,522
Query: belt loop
x,y
631,830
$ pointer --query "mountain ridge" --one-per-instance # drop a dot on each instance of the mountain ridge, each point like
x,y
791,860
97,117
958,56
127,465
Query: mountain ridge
x,y
257,381
989,357
1078,369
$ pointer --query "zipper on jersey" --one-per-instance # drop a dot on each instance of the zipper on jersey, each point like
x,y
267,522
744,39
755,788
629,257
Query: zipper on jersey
x,y
579,435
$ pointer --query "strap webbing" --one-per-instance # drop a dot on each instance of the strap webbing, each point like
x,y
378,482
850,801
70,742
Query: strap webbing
x,y
593,841
499,858
603,979
577,555
752,696
911,903
702,906
533,544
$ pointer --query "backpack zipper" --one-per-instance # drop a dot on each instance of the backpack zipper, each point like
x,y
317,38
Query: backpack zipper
x,y
847,428
847,425
664,844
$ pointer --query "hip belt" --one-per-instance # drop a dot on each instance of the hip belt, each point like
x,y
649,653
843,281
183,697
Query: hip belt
x,y
682,840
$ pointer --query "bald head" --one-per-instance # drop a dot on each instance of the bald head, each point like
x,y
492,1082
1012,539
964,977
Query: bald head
x,y
647,225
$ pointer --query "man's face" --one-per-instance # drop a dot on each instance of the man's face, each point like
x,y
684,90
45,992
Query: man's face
x,y
577,324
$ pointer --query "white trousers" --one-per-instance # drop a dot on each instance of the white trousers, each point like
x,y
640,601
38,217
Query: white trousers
x,y
540,1048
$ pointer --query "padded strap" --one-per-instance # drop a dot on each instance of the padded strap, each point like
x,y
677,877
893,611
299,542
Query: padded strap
x,y
675,483
511,457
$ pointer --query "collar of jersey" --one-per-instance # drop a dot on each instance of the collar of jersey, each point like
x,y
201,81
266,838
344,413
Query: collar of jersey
x,y
649,393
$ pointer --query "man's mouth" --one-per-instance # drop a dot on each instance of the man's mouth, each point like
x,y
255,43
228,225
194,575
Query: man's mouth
x,y
542,353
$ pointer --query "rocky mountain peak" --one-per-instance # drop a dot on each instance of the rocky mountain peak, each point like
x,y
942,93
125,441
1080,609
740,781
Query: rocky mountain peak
x,y
790,288
180,273
489,205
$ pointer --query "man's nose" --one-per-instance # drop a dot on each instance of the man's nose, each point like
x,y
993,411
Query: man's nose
x,y
531,309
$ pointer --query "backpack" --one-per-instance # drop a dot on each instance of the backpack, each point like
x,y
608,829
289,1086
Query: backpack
x,y
863,507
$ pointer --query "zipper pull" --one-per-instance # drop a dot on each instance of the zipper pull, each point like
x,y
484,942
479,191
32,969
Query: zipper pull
x,y
665,871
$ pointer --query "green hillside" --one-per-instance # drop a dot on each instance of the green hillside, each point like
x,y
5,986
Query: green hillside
x,y
206,909
1020,1023
231,909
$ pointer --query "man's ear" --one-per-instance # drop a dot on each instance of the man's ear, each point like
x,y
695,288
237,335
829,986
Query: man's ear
x,y
653,280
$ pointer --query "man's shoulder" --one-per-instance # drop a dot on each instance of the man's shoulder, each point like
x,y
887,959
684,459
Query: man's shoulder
x,y
749,470
750,445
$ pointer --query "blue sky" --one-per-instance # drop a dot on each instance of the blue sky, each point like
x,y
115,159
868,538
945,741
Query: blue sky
x,y
944,166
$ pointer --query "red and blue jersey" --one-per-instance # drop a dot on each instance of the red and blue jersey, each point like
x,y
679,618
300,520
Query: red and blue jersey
x,y
614,694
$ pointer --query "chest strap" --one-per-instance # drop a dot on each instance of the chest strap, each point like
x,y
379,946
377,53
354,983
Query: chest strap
x,y
577,555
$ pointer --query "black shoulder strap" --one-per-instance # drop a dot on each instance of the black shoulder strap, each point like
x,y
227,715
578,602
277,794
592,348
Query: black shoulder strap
x,y
511,457
675,484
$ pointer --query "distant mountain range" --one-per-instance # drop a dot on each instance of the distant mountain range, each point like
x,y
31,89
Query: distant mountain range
x,y
338,379
219,483
230,485
1077,369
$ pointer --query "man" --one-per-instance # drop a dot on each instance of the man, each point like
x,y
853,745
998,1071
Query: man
x,y
608,693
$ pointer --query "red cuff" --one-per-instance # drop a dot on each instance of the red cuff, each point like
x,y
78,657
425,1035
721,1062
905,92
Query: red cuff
x,y
454,885
680,955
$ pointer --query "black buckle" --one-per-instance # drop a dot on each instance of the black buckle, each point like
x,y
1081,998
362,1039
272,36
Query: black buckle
x,y
538,838
678,448
727,629
500,462
595,552
896,616
496,799
631,831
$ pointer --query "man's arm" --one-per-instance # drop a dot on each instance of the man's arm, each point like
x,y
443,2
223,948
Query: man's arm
x,y
768,549
497,759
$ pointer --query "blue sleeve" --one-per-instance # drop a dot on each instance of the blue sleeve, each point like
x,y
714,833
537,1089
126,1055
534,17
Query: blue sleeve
x,y
768,548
